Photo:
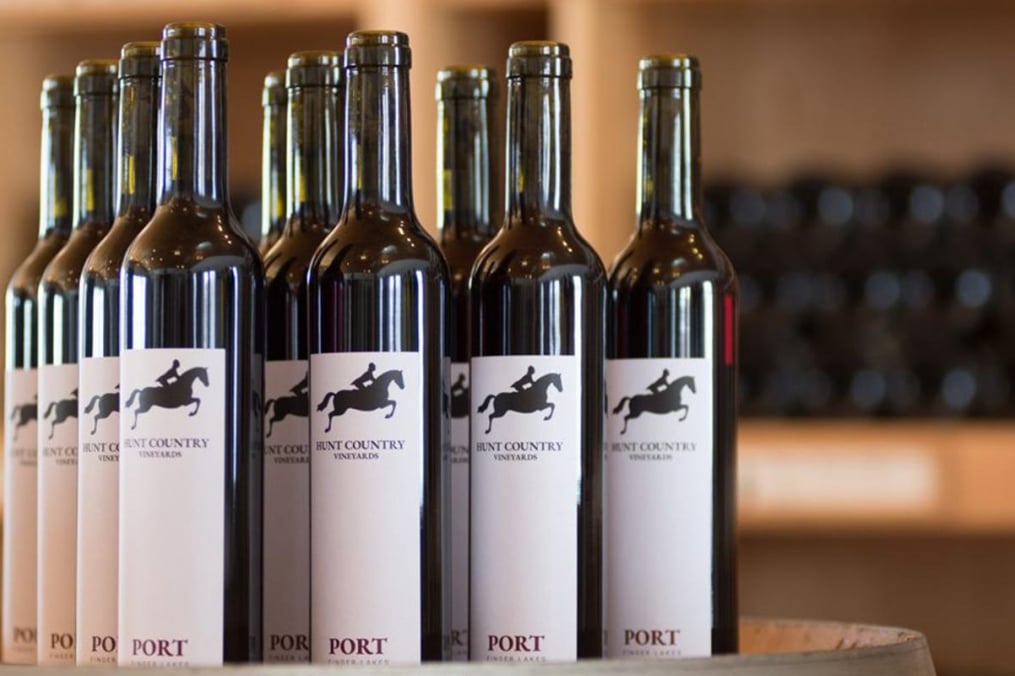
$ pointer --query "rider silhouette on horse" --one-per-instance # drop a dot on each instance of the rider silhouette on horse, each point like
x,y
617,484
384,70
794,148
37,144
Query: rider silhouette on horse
x,y
526,381
661,384
366,379
300,388
170,376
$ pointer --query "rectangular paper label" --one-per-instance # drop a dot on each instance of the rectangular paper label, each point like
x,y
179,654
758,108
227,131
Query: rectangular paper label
x,y
366,436
659,431
98,493
20,525
57,528
526,469
286,512
172,507
459,511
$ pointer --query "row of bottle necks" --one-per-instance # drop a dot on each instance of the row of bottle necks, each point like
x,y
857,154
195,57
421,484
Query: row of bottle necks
x,y
349,453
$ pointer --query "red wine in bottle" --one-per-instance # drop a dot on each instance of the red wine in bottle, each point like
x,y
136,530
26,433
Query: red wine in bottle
x,y
273,160
466,185
537,300
22,382
378,298
191,378
671,353
99,391
315,129
95,93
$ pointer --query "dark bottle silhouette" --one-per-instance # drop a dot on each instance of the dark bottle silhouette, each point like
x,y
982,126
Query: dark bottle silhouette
x,y
22,352
378,282
192,279
673,293
538,289
274,159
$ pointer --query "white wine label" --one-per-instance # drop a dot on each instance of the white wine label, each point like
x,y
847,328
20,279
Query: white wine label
x,y
659,431
172,507
57,527
526,470
287,512
20,505
366,476
459,511
98,494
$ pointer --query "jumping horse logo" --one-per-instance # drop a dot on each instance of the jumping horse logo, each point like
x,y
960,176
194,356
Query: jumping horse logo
x,y
663,397
460,398
368,393
527,395
298,404
105,405
175,390
24,414
62,409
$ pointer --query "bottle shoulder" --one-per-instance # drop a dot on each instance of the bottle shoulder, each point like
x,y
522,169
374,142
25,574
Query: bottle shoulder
x,y
378,245
184,237
671,257
106,258
537,253
25,280
461,254
289,258
64,272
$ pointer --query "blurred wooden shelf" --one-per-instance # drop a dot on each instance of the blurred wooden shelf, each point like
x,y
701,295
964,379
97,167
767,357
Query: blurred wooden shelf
x,y
863,477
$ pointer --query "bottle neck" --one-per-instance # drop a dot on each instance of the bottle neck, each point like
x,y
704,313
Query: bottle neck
x,y
314,167
378,155
538,181
94,158
273,169
56,171
669,164
193,131
138,101
466,164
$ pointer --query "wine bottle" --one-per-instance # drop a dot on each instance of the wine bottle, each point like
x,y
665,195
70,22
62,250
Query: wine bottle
x,y
315,129
192,374
671,387
465,99
99,329
95,93
378,298
22,382
537,295
273,160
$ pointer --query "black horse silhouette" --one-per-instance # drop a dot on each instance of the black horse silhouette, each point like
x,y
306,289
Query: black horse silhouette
x,y
370,398
665,401
296,404
61,410
108,404
174,395
24,414
529,400
460,398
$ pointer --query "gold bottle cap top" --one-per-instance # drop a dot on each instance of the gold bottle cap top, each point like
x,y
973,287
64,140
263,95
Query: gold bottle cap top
x,y
466,82
96,76
377,48
195,40
57,92
320,68
141,59
539,58
669,71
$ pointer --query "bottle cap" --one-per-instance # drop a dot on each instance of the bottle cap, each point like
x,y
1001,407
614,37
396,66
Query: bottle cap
x,y
96,76
465,82
194,40
669,71
273,93
57,92
140,59
539,58
319,68
377,48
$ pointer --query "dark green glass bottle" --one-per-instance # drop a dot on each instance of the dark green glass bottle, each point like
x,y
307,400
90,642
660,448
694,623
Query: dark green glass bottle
x,y
22,381
273,160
